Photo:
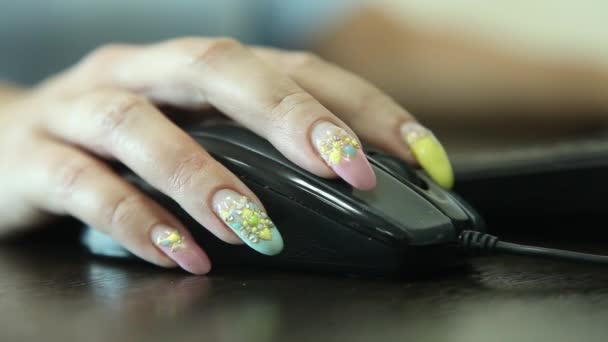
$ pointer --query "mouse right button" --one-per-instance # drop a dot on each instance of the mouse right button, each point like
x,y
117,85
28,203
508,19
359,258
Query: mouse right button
x,y
449,204
419,217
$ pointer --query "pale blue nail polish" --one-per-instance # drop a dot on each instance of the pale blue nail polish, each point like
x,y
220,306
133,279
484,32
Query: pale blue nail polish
x,y
350,150
248,221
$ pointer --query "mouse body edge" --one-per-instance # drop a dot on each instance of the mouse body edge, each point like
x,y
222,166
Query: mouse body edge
x,y
327,226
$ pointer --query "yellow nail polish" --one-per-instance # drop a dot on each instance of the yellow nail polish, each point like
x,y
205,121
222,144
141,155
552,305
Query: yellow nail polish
x,y
429,153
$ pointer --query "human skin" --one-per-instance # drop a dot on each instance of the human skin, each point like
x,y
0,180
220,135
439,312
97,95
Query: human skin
x,y
56,139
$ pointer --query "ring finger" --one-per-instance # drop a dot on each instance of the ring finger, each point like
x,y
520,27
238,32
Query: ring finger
x,y
233,79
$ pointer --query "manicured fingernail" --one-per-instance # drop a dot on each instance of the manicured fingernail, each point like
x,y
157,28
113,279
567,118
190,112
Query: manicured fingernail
x,y
429,153
342,152
180,248
249,221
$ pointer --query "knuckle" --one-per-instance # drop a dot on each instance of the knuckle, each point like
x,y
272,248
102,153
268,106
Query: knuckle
x,y
302,59
280,107
105,53
119,212
186,43
116,110
68,173
205,54
185,168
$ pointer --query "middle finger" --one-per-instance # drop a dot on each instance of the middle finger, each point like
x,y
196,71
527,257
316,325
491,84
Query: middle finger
x,y
232,78
130,129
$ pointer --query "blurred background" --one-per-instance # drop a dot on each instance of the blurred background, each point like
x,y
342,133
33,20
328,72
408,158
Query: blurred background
x,y
489,74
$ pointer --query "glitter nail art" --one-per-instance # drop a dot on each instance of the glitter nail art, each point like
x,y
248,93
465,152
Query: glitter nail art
x,y
413,132
171,239
246,218
337,146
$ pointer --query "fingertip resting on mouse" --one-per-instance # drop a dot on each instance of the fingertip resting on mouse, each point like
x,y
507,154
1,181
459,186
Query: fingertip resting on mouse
x,y
429,153
249,221
342,153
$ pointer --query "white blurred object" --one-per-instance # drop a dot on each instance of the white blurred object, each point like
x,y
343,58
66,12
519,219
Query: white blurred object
x,y
563,30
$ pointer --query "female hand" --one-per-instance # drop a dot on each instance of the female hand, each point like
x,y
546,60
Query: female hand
x,y
54,140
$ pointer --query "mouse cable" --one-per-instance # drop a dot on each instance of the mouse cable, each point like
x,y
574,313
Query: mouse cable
x,y
486,244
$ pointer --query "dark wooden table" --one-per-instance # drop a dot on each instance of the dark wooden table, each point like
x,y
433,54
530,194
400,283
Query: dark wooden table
x,y
52,291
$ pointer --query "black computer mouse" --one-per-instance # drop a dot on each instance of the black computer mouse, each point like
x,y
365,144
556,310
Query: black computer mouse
x,y
407,224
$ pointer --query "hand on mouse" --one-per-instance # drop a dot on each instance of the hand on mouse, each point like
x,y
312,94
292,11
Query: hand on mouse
x,y
55,138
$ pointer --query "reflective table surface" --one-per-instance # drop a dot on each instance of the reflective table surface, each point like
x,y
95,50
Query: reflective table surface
x,y
52,291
